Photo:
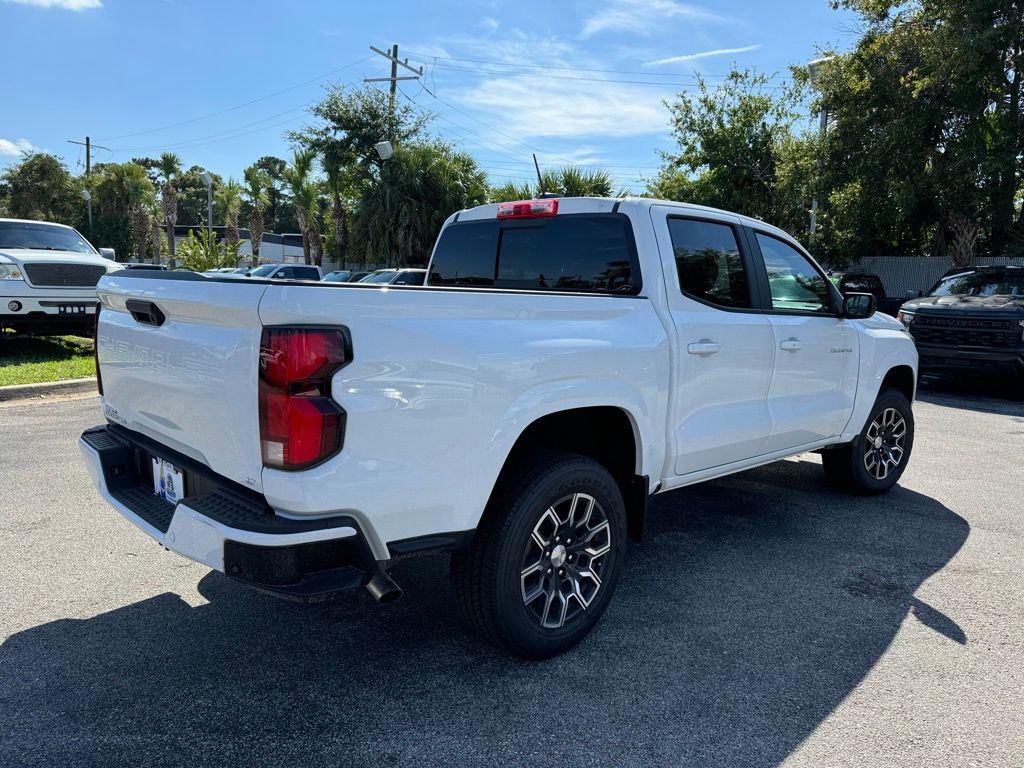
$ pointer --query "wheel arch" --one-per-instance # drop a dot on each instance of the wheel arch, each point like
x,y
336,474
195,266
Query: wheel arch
x,y
902,379
608,434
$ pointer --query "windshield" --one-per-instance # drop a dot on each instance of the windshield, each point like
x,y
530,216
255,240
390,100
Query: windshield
x,y
43,237
379,277
263,271
981,284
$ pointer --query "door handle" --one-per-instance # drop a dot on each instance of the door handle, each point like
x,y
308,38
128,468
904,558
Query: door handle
x,y
791,345
703,348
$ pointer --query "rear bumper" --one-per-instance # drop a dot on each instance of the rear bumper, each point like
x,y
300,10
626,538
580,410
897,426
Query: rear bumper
x,y
227,528
971,361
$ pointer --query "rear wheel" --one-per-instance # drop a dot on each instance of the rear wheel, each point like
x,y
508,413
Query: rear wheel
x,y
544,563
874,462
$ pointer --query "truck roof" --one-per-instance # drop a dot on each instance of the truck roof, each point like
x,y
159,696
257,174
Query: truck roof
x,y
611,204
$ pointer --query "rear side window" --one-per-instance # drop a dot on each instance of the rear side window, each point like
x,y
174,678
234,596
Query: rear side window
x,y
305,273
709,263
589,253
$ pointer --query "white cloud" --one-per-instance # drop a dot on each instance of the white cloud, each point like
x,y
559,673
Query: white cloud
x,y
701,55
15,148
527,106
489,24
642,17
68,5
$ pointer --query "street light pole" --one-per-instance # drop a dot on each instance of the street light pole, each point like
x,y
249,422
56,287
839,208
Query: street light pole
x,y
813,71
208,181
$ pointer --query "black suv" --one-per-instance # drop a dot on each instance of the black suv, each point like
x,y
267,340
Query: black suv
x,y
972,321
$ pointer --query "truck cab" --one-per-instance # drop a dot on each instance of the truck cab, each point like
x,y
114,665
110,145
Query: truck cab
x,y
48,277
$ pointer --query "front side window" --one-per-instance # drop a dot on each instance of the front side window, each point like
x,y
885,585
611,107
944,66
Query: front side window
x,y
794,283
709,263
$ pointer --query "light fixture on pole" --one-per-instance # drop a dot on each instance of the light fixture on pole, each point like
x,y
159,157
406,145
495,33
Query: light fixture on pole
x,y
88,204
384,149
814,73
208,181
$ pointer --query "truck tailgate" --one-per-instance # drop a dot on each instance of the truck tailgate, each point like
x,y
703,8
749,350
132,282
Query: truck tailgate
x,y
178,356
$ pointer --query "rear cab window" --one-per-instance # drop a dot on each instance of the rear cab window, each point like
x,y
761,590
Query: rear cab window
x,y
579,253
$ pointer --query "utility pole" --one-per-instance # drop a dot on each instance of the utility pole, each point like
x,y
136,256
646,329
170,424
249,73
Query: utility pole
x,y
392,56
88,151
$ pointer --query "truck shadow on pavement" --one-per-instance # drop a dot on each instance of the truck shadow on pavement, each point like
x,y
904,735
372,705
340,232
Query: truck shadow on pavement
x,y
756,604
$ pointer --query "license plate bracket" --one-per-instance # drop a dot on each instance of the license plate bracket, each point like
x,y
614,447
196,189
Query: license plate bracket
x,y
168,480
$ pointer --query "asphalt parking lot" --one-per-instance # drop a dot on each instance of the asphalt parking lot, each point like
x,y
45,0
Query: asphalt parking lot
x,y
765,621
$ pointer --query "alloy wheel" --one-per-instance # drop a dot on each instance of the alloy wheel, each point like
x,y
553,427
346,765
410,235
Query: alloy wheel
x,y
884,443
564,560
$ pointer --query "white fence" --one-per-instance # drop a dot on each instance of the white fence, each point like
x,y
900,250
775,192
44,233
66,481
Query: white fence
x,y
901,274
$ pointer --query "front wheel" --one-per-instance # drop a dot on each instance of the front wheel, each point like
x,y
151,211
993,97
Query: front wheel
x,y
874,462
544,563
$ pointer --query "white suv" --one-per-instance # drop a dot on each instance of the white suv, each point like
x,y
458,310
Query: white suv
x,y
48,276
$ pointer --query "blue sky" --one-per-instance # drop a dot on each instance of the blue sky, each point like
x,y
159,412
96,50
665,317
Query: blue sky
x,y
219,81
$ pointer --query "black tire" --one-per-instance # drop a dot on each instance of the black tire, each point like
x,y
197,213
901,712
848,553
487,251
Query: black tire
x,y
488,577
851,468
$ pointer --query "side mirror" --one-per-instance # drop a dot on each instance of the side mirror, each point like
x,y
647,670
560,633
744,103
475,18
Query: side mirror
x,y
914,294
857,306
107,253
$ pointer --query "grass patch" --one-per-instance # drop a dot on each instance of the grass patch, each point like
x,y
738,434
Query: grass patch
x,y
28,361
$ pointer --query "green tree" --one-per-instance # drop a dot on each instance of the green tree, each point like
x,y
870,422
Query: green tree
x,y
926,149
399,215
354,120
192,196
228,198
122,198
570,181
738,149
306,200
338,187
40,187
257,184
279,215
168,168
202,251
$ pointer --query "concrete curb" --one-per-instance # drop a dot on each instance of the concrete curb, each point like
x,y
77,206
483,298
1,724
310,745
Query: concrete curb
x,y
47,389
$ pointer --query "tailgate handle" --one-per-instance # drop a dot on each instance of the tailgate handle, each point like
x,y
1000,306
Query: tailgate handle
x,y
145,312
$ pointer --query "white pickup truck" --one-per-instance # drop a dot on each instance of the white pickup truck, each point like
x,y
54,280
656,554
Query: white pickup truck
x,y
48,276
567,359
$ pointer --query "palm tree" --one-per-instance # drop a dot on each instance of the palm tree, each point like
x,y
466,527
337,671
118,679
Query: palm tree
x,y
229,198
337,183
256,185
569,181
298,177
169,168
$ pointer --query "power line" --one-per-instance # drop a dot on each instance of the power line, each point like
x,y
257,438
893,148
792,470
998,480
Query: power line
x,y
188,142
426,58
544,76
243,104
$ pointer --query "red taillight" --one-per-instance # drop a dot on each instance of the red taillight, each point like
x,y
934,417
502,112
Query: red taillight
x,y
300,425
96,349
528,209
